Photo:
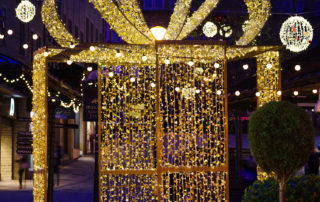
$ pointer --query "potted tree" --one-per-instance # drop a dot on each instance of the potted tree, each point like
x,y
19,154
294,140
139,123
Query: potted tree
x,y
281,136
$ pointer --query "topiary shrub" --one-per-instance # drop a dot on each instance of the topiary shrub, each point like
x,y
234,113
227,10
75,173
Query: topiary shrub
x,y
303,189
281,137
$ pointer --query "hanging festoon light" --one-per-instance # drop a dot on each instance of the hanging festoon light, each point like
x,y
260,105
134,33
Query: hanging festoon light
x,y
210,29
296,34
25,11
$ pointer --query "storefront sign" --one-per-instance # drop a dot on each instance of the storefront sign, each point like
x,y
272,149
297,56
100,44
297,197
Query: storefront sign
x,y
24,143
90,101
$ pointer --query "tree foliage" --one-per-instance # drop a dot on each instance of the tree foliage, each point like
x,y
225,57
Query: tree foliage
x,y
281,136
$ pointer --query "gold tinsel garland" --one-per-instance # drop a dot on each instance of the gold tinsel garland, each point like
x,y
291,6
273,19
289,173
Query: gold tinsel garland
x,y
197,17
54,25
127,30
259,12
178,18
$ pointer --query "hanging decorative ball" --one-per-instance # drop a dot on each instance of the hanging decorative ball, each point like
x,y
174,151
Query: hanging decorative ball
x,y
225,31
25,11
210,29
296,34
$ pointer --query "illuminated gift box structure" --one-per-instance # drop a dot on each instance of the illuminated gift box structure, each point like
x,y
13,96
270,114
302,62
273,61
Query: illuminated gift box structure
x,y
163,133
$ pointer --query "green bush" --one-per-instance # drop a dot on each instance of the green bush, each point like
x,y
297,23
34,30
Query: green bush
x,y
302,189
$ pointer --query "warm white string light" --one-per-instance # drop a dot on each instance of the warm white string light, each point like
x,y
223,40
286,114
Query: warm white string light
x,y
297,68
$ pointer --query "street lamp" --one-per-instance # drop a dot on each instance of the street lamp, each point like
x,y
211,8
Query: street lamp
x,y
158,32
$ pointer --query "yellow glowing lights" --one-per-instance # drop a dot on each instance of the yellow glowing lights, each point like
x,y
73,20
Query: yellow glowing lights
x,y
35,36
245,67
219,92
118,54
158,32
258,94
269,66
295,93
72,45
191,63
210,29
69,62
167,61
46,54
314,91
132,79
279,93
25,46
144,58
153,85
10,31
111,74
237,93
89,69
92,48
216,65
297,68
1,36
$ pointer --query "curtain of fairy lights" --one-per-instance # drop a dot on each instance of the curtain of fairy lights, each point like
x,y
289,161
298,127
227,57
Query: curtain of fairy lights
x,y
268,84
192,155
128,136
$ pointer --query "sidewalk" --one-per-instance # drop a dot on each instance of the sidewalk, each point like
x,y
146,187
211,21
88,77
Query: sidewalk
x,y
76,184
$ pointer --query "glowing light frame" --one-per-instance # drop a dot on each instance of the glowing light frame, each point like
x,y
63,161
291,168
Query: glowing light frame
x,y
157,54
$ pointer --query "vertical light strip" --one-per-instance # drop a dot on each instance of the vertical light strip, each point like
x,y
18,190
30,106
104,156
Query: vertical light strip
x,y
268,84
39,119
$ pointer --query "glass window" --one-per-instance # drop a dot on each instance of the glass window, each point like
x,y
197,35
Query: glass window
x,y
159,4
148,4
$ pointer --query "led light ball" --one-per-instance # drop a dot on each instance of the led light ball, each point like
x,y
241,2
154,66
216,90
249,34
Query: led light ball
x,y
237,93
10,32
177,89
269,66
89,69
216,65
144,58
46,54
92,48
111,74
279,93
25,46
258,94
295,93
245,67
69,62
197,91
210,29
25,11
190,63
296,34
219,92
167,61
153,85
225,31
1,36
132,79
297,68
314,91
